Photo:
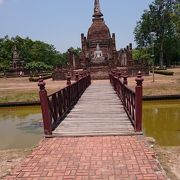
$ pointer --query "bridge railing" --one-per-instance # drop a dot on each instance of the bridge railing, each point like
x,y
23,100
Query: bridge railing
x,y
56,106
131,99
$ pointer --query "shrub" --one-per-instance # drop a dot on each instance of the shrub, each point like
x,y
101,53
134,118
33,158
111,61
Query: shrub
x,y
167,73
36,79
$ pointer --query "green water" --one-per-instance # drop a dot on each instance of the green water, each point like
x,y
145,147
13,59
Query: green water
x,y
161,120
20,127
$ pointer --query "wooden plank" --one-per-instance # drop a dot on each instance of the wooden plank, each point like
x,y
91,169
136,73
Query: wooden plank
x,y
98,112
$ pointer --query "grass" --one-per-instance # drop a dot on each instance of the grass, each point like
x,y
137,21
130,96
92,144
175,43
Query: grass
x,y
18,96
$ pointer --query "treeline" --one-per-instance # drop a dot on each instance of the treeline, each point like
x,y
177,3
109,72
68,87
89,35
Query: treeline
x,y
157,34
36,54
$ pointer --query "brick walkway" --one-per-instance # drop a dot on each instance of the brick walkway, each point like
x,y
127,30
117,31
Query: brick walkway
x,y
87,158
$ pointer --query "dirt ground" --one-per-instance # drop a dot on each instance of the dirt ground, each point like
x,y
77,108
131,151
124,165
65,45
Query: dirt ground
x,y
169,158
163,85
10,158
21,90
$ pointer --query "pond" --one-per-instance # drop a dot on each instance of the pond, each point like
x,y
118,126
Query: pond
x,y
161,120
20,127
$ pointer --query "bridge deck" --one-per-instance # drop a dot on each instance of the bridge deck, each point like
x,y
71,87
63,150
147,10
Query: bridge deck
x,y
98,112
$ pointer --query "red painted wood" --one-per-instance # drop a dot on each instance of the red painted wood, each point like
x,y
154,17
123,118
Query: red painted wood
x,y
138,102
77,76
132,100
68,79
57,105
45,108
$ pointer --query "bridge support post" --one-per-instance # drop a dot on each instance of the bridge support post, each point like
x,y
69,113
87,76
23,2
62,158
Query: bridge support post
x,y
138,102
45,108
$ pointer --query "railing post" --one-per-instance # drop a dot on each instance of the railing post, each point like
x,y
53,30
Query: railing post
x,y
125,82
138,102
84,73
77,76
77,86
81,75
119,75
68,79
45,108
89,74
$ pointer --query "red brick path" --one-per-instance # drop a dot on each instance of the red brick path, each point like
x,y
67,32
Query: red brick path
x,y
88,158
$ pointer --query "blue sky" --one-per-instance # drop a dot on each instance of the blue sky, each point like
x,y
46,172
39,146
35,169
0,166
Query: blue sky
x,y
60,22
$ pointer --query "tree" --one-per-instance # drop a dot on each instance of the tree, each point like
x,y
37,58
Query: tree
x,y
141,54
33,52
38,67
4,67
160,19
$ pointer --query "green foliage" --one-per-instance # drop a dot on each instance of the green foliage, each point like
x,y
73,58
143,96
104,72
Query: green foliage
x,y
63,59
32,52
4,67
6,46
140,54
76,51
37,67
159,31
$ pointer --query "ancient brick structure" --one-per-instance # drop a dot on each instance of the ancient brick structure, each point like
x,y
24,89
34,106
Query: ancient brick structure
x,y
73,60
17,62
98,41
124,57
99,54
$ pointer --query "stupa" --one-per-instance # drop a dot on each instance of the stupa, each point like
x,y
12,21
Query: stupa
x,y
99,53
17,62
98,36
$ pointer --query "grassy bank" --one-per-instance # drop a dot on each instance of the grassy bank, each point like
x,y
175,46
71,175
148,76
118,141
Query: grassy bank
x,y
21,90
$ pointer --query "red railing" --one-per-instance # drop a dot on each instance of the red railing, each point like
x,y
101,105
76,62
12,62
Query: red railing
x,y
131,99
57,105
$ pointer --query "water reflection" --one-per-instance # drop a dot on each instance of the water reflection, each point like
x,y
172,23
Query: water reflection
x,y
161,120
20,127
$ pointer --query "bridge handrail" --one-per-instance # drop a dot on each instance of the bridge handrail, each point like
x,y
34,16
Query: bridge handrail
x,y
131,99
56,105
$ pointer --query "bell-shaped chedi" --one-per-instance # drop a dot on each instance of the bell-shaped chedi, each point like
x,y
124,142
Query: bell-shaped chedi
x,y
17,61
98,34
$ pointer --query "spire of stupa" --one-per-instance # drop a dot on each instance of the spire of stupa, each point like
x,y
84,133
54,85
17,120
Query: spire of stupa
x,y
97,9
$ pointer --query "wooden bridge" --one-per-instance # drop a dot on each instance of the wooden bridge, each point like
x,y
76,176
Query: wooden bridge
x,y
87,108
107,117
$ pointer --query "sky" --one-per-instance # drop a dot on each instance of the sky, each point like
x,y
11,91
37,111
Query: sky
x,y
61,22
